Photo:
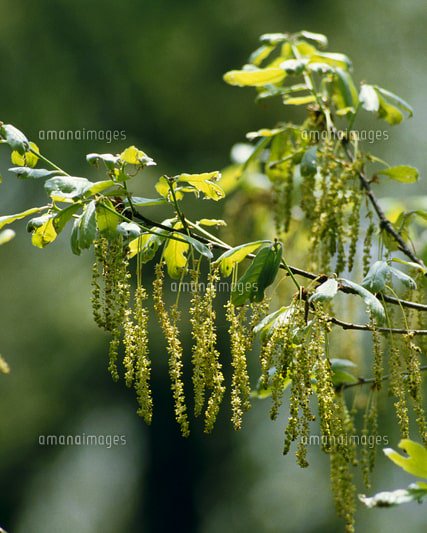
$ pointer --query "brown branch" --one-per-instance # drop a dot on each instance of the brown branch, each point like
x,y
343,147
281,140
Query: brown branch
x,y
368,327
367,381
297,271
385,223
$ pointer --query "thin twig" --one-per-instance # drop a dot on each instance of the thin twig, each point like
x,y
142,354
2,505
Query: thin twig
x,y
368,327
367,381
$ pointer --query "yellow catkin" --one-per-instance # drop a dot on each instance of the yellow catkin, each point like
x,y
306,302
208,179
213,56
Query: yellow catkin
x,y
240,343
397,389
369,432
197,320
174,348
214,375
142,365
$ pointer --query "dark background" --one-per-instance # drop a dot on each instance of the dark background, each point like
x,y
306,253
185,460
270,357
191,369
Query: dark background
x,y
153,69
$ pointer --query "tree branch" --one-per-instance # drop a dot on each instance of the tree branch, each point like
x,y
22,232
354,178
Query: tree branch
x,y
367,327
367,381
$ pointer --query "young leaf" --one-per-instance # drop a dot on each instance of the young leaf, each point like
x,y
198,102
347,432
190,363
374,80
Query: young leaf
x,y
254,77
29,159
229,259
260,274
377,277
415,463
397,100
43,231
8,219
402,173
98,187
318,38
74,240
62,188
175,255
33,173
308,165
325,292
395,497
109,160
61,219
134,156
204,183
404,278
345,92
147,245
388,112
15,138
107,219
137,201
372,303
87,226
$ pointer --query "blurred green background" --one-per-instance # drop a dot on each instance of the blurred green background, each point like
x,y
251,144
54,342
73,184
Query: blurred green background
x,y
153,69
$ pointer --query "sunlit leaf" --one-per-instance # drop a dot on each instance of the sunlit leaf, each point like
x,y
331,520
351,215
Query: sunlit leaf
x,y
229,259
33,173
325,292
6,236
28,159
377,277
15,138
416,461
204,183
402,173
371,301
8,219
254,77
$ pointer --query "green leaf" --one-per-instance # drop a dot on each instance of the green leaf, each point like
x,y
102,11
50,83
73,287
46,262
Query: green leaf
x,y
204,183
345,92
43,231
209,222
299,100
8,219
402,277
325,292
229,259
134,156
377,277
33,173
389,112
260,274
15,138
197,245
416,461
402,173
372,303
129,230
74,239
308,165
261,53
61,219
137,201
254,77
109,160
340,375
262,392
402,104
87,226
62,188
175,255
29,159
146,245
333,59
99,186
369,98
6,236
106,220
271,321
318,38
410,264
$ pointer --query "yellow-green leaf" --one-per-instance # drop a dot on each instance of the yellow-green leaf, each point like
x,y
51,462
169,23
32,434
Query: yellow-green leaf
x,y
8,219
229,259
299,100
204,183
28,159
175,255
134,156
415,463
254,77
44,234
402,173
